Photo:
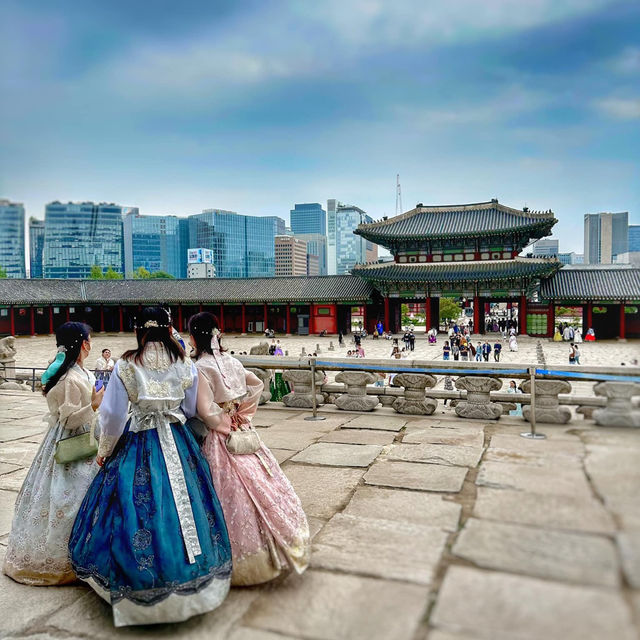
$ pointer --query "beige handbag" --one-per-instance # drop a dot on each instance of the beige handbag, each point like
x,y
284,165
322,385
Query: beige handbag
x,y
75,448
243,442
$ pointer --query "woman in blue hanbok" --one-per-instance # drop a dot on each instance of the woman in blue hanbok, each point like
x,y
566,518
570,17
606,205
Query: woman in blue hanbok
x,y
150,536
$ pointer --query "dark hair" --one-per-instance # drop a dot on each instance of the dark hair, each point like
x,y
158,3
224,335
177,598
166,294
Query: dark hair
x,y
201,328
109,350
69,335
152,324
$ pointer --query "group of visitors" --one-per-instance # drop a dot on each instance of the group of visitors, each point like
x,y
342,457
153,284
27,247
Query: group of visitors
x,y
462,348
569,333
409,339
500,324
178,498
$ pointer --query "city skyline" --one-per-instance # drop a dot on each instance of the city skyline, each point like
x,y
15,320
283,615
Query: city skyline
x,y
258,105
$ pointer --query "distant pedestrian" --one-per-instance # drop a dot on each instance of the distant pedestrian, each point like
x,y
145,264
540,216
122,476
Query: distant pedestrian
x,y
479,353
464,352
455,350
446,350
340,338
486,350
497,348
412,340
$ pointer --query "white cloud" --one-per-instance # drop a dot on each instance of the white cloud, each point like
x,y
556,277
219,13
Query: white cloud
x,y
620,108
628,62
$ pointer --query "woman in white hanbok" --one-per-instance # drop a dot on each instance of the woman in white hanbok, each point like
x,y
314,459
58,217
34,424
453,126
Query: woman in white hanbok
x,y
37,551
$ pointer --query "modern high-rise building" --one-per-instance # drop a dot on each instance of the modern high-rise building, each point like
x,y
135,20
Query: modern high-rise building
x,y
571,257
308,218
313,266
545,247
243,246
291,256
316,246
36,247
634,238
605,236
79,235
279,225
344,248
155,243
12,254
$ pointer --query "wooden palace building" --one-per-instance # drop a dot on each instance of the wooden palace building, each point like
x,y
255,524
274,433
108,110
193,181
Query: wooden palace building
x,y
468,252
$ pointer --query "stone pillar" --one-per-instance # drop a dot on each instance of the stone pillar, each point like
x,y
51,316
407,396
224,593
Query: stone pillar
x,y
478,405
622,331
32,321
522,316
301,396
356,398
288,329
548,407
619,411
387,326
265,376
50,320
414,401
12,321
243,331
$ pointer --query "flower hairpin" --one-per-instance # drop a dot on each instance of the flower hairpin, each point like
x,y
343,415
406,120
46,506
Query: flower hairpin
x,y
150,323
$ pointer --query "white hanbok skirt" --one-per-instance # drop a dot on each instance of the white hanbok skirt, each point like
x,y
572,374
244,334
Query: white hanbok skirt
x,y
46,508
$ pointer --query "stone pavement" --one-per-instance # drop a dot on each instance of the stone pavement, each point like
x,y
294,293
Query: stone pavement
x,y
424,528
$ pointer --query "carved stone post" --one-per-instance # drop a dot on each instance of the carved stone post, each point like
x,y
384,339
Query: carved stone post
x,y
301,396
478,405
548,408
265,376
414,401
619,411
356,398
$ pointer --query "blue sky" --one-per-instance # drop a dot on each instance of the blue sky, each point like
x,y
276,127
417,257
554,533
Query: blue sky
x,y
254,106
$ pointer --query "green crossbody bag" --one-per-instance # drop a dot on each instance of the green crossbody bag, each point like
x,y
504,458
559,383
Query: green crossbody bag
x,y
76,448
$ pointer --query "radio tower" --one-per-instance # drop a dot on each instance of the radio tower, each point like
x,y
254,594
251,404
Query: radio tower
x,y
399,208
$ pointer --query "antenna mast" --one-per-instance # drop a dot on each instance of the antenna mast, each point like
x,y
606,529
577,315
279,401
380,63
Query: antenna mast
x,y
399,208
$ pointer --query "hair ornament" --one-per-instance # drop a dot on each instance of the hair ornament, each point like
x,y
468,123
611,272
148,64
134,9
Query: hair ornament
x,y
62,349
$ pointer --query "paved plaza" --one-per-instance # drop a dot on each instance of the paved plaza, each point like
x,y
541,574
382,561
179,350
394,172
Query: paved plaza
x,y
424,528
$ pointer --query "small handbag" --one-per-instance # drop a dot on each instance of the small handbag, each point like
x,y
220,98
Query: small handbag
x,y
75,448
243,442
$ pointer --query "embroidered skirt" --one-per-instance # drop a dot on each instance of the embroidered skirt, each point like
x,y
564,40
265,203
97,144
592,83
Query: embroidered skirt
x,y
279,388
127,542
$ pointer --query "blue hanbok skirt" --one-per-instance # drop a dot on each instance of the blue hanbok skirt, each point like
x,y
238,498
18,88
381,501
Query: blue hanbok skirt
x,y
127,541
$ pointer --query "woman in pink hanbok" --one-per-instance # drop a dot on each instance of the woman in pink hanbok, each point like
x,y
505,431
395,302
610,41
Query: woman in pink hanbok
x,y
268,529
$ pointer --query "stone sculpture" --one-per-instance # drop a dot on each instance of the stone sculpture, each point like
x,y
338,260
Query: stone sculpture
x,y
478,405
414,400
265,376
261,349
548,408
301,396
619,411
356,398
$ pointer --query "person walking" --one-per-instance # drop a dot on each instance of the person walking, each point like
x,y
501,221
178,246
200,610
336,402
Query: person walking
x,y
478,353
455,350
37,548
497,349
486,350
576,353
412,340
464,352
267,526
150,536
446,350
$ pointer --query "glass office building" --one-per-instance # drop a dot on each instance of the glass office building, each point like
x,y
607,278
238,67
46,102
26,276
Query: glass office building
x,y
36,247
634,238
12,246
606,235
155,243
316,246
344,248
243,246
308,218
80,235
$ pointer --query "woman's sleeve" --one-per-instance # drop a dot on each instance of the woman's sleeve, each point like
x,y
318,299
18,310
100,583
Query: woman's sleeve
x,y
191,394
113,414
255,386
73,412
208,409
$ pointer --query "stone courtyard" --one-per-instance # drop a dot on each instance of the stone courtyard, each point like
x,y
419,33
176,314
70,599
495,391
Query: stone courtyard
x,y
431,527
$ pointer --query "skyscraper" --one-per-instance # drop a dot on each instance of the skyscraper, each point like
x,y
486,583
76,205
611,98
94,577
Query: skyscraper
x,y
155,243
279,225
12,252
291,256
308,218
36,247
344,248
634,238
243,246
545,247
606,235
80,235
316,246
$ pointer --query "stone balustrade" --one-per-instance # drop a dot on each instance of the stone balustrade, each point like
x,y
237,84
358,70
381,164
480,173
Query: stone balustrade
x,y
619,411
301,397
547,403
478,405
414,401
356,398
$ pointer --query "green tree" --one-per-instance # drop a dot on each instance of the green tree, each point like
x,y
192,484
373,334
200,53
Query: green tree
x,y
449,309
112,274
162,275
96,273
141,274
3,272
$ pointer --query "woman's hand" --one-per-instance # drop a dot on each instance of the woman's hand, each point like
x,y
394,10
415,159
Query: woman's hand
x,y
100,460
96,398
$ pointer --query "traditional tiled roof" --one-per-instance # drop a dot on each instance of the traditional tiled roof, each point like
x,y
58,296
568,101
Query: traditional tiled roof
x,y
469,220
445,272
194,291
589,283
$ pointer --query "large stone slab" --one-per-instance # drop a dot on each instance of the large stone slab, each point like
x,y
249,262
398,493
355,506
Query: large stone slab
x,y
327,606
540,510
266,417
323,490
359,436
414,475
294,439
6,467
444,435
13,481
545,480
437,454
7,503
18,452
614,471
246,633
629,544
384,423
405,506
491,605
339,455
379,548
551,446
543,553
16,432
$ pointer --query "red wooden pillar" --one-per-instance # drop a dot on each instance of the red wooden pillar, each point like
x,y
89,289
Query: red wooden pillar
x,y
522,316
200,308
12,321
476,315
265,317
50,321
180,319
427,314
551,319
312,322
387,326
101,318
589,317
622,335
32,321
68,313
121,318
288,328
222,318
244,318
364,316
